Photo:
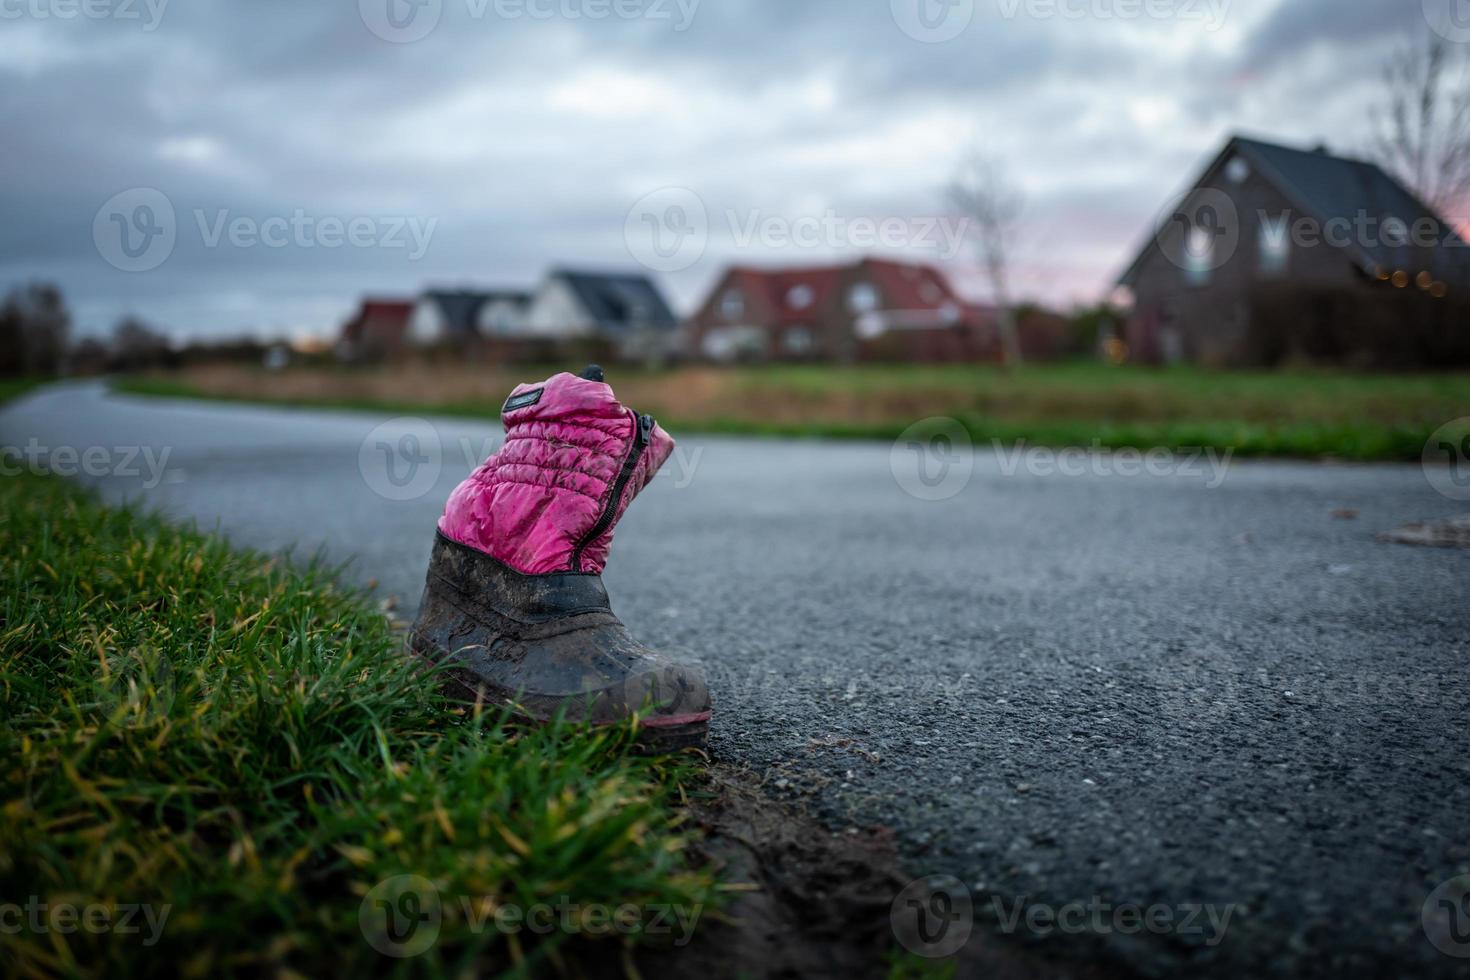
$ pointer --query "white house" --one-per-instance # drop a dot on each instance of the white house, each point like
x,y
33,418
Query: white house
x,y
441,315
626,308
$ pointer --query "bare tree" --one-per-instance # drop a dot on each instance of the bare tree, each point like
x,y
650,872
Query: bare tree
x,y
1421,131
981,193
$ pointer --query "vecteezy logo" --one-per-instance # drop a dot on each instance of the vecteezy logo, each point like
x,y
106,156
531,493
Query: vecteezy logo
x,y
400,916
1446,917
1449,18
932,459
933,21
667,230
1447,459
933,916
136,230
401,21
1199,231
401,459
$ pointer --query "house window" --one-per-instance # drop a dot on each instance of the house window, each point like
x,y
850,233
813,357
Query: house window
x,y
863,298
1237,171
1199,256
1273,245
799,341
732,305
800,297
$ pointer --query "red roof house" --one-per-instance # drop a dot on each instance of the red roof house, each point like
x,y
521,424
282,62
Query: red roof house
x,y
379,328
875,309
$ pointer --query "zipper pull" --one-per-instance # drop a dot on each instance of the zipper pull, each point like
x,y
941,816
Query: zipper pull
x,y
645,429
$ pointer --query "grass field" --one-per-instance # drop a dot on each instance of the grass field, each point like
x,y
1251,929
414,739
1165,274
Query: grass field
x,y
15,387
1288,413
215,763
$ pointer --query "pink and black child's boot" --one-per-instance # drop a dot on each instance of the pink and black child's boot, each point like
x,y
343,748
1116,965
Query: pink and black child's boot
x,y
514,607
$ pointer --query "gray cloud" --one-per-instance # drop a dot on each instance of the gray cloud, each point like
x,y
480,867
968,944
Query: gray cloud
x,y
526,139
1295,29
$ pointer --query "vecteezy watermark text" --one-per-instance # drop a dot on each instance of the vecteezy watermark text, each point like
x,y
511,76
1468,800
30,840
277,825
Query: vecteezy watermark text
x,y
679,13
305,230
937,21
1363,228
137,230
1202,230
832,230
1097,916
406,21
148,12
669,229
1203,463
40,916
1210,13
95,461
934,916
934,459
403,458
403,916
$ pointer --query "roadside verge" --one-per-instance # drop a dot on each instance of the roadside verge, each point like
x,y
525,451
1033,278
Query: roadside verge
x,y
225,764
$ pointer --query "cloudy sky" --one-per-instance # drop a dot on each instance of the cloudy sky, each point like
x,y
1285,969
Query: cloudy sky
x,y
218,166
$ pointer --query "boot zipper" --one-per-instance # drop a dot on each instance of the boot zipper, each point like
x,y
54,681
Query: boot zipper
x,y
642,432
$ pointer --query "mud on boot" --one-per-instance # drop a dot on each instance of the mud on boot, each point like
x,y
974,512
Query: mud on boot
x,y
514,608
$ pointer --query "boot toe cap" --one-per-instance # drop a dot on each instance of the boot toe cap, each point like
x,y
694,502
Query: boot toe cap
x,y
670,695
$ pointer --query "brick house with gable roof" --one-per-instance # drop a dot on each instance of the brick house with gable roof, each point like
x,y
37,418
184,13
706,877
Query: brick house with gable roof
x,y
874,309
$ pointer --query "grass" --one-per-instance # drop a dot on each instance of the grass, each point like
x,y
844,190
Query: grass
x,y
240,748
1305,414
910,966
11,388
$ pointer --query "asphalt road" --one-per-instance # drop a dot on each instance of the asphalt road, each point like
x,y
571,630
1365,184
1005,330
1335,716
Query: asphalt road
x,y
1176,690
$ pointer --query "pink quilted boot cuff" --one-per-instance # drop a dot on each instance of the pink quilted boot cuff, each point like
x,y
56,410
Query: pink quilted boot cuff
x,y
548,501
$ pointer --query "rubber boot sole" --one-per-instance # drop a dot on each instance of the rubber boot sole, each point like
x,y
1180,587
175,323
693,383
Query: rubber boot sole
x,y
655,735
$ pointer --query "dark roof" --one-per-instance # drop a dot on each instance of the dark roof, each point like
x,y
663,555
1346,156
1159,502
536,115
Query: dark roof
x,y
618,301
461,307
1337,187
1327,187
521,296
458,308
